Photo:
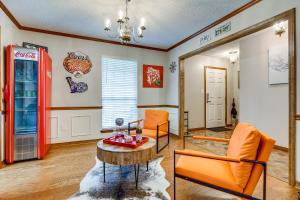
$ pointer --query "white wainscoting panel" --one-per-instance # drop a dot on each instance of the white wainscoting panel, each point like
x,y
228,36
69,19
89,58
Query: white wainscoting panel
x,y
80,125
75,125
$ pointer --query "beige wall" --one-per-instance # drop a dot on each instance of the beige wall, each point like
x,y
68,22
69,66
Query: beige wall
x,y
263,105
60,46
194,87
8,34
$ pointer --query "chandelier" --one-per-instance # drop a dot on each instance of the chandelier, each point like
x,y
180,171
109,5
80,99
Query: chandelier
x,y
125,32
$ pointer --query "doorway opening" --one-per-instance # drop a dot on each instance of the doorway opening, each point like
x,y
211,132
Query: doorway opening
x,y
249,90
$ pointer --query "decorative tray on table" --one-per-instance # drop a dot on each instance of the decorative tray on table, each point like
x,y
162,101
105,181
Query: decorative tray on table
x,y
120,141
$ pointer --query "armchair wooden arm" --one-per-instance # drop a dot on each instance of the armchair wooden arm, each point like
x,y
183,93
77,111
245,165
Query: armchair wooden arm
x,y
206,155
217,157
133,123
162,123
157,134
215,139
136,121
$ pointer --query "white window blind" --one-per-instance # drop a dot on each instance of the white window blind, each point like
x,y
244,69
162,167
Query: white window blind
x,y
119,91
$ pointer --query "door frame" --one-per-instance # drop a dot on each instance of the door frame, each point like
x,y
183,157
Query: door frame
x,y
289,15
225,103
2,65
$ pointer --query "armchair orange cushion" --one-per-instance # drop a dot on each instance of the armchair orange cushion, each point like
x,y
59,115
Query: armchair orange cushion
x,y
216,172
264,151
244,143
154,117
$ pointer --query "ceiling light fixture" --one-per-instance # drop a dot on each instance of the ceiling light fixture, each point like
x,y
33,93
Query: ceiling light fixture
x,y
279,28
126,33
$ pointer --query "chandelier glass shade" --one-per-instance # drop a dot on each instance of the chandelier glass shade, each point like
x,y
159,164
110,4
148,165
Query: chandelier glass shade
x,y
125,32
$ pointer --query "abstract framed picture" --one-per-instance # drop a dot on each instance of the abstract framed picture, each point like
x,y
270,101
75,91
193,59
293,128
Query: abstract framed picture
x,y
278,65
153,76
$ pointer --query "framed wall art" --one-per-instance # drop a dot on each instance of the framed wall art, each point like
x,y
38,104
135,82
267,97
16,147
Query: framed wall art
x,y
278,65
153,76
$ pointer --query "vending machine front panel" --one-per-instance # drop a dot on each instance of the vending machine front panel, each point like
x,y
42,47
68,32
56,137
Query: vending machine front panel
x,y
25,101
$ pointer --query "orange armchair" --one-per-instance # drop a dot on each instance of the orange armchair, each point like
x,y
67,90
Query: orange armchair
x,y
238,172
156,125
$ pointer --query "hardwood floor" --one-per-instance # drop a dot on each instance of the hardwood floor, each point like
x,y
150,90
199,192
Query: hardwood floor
x,y
59,174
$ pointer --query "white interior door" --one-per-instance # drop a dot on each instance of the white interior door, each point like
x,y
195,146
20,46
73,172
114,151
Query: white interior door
x,y
215,97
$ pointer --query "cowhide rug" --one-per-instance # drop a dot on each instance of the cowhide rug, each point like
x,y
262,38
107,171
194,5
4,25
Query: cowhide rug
x,y
120,183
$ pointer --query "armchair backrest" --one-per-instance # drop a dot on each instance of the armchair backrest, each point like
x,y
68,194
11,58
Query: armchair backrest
x,y
263,153
155,117
244,144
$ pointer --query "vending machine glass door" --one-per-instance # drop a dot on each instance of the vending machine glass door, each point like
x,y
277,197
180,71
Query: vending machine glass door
x,y
25,126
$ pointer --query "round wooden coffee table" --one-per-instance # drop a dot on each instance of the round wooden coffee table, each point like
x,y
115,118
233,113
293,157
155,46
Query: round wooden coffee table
x,y
118,155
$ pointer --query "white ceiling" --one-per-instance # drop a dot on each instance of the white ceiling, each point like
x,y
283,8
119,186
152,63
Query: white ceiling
x,y
167,21
223,51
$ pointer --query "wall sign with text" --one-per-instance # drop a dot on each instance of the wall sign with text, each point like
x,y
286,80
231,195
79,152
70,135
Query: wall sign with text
x,y
75,87
26,54
223,29
77,63
205,38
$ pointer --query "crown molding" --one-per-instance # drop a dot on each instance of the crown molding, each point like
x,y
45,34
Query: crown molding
x,y
226,17
9,15
89,38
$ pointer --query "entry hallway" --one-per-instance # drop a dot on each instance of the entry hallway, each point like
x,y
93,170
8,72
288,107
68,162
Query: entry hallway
x,y
59,174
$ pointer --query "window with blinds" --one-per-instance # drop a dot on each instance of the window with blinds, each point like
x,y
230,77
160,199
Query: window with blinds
x,y
119,91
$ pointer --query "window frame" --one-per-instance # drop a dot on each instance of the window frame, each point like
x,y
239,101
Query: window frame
x,y
101,85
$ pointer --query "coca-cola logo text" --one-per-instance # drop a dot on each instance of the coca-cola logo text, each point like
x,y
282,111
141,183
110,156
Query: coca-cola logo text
x,y
27,55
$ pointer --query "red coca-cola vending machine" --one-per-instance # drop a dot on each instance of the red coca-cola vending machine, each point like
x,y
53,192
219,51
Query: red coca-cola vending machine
x,y
27,94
